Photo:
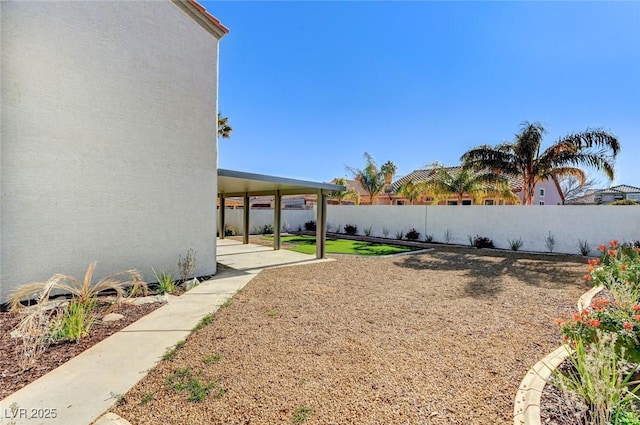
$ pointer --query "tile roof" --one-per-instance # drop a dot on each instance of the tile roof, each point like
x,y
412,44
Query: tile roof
x,y
625,188
209,17
516,183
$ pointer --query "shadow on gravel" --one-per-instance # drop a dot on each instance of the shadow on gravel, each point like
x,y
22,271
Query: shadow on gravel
x,y
484,269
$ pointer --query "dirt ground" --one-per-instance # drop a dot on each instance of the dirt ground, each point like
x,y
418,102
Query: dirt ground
x,y
438,338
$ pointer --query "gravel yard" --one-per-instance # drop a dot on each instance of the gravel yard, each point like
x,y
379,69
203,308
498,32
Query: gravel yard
x,y
437,338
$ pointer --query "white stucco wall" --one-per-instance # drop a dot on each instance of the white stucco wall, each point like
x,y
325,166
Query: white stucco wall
x,y
108,138
568,224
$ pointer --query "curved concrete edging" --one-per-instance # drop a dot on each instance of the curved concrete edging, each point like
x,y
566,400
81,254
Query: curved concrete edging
x,y
526,409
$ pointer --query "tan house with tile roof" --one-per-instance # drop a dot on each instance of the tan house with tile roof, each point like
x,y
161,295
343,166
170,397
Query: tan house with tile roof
x,y
547,193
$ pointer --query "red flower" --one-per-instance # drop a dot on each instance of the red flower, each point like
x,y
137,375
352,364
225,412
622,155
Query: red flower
x,y
590,269
600,303
623,267
601,247
636,307
612,252
637,250
559,321
627,325
587,276
585,312
613,243
594,322
637,317
577,318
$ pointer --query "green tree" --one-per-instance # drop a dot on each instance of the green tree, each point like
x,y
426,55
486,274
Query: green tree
x,y
224,129
349,194
476,186
522,157
370,177
411,190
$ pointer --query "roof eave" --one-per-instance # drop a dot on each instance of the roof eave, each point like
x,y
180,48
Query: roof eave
x,y
202,17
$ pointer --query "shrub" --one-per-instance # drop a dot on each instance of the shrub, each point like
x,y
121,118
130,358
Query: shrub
x,y
585,249
428,238
230,230
515,244
412,234
368,230
267,229
187,264
84,292
550,242
351,229
624,202
447,236
385,231
310,226
165,282
34,330
399,235
482,242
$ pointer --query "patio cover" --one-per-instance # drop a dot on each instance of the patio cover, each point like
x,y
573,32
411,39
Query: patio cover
x,y
233,183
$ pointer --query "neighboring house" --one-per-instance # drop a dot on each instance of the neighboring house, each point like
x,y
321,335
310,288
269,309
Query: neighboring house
x,y
606,196
546,193
383,198
108,137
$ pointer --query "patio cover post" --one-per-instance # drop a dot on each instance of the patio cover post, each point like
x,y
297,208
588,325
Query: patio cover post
x,y
221,220
245,219
321,225
277,212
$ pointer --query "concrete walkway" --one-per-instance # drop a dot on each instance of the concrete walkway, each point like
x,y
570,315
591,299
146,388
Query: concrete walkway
x,y
82,389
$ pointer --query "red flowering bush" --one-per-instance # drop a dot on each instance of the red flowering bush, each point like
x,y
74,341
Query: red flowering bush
x,y
618,265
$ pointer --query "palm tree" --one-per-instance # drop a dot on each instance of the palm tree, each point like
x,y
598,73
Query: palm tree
x,y
411,190
224,129
522,157
463,183
389,169
349,194
370,177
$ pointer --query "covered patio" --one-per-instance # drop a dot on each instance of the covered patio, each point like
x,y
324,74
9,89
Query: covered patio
x,y
239,184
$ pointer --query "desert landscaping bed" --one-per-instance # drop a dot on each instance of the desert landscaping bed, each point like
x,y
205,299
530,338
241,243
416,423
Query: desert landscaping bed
x,y
436,338
13,378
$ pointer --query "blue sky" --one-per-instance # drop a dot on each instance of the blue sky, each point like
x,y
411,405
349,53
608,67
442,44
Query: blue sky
x,y
310,86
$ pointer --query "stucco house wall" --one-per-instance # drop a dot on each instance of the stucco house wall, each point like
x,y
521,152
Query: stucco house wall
x,y
108,138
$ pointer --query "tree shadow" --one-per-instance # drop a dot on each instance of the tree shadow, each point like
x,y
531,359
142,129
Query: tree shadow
x,y
484,270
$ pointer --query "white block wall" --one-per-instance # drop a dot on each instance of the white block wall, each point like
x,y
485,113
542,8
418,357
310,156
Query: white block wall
x,y
108,138
567,224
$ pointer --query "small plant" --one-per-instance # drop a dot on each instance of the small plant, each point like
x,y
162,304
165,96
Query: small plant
x,y
385,231
585,249
171,352
598,377
368,230
74,323
399,235
187,264
226,304
412,235
118,397
482,242
267,229
428,238
184,380
301,414
310,226
147,398
339,228
166,283
515,244
230,230
470,238
351,229
204,322
286,228
214,358
272,314
550,242
447,236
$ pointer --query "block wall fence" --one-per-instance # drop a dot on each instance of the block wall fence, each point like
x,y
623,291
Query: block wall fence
x,y
533,224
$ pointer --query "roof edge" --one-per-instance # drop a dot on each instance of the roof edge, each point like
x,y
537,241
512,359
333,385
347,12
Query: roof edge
x,y
204,18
